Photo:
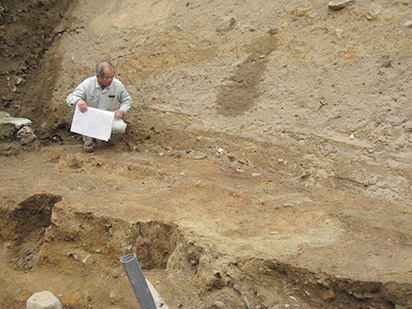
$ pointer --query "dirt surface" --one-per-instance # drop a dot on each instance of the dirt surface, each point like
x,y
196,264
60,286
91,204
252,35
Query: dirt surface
x,y
266,163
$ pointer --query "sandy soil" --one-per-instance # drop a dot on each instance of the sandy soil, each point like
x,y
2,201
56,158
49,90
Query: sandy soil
x,y
266,164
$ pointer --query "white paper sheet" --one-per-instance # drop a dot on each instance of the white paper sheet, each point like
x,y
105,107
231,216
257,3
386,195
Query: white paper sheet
x,y
96,123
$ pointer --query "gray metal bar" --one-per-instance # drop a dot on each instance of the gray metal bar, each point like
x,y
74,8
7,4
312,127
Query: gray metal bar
x,y
137,281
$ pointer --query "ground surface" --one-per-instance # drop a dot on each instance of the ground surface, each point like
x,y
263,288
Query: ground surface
x,y
265,164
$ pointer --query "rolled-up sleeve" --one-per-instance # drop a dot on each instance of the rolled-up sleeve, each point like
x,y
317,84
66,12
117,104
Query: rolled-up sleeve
x,y
78,93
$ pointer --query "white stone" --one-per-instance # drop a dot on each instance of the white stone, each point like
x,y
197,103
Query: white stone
x,y
373,12
17,122
226,24
408,24
43,300
25,135
339,5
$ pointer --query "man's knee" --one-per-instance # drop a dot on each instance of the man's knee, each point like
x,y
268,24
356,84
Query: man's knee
x,y
119,126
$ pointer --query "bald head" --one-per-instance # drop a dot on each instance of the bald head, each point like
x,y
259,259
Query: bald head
x,y
103,66
104,73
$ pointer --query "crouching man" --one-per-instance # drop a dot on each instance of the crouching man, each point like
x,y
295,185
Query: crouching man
x,y
102,91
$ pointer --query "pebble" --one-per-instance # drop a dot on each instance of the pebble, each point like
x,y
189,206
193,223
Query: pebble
x,y
408,24
200,157
231,157
43,300
339,5
226,24
114,297
256,174
373,12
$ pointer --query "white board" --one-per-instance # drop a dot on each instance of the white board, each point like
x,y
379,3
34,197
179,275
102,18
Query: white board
x,y
96,123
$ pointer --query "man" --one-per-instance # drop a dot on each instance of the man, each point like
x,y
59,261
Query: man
x,y
102,91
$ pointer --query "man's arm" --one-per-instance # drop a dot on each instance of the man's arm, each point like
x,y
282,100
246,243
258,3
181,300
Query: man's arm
x,y
125,99
78,97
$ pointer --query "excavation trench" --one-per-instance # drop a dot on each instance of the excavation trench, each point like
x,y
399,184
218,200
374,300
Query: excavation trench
x,y
39,234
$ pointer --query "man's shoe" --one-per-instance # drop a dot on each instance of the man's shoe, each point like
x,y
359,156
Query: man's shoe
x,y
88,147
111,143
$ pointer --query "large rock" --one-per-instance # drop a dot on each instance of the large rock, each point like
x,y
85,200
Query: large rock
x,y
43,300
5,118
9,125
25,135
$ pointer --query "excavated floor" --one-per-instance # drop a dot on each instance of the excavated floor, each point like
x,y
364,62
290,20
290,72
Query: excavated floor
x,y
209,229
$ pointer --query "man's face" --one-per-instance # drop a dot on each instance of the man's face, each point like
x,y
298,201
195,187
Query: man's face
x,y
107,79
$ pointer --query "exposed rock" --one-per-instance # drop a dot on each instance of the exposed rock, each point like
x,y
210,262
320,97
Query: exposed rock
x,y
226,24
9,125
339,5
218,304
43,300
373,12
5,118
26,135
408,126
114,297
6,131
408,24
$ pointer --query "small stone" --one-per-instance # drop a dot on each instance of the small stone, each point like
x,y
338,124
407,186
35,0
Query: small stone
x,y
219,304
43,300
329,296
231,157
19,80
114,297
408,24
226,24
239,170
339,5
161,154
305,175
256,174
352,136
86,259
373,12
200,156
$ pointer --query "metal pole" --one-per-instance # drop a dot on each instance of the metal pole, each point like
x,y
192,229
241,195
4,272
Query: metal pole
x,y
137,281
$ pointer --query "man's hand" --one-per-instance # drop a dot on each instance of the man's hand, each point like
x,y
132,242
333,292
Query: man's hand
x,y
118,114
82,105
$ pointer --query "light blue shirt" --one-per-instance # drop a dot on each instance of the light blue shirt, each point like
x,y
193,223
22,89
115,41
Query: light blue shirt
x,y
90,91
